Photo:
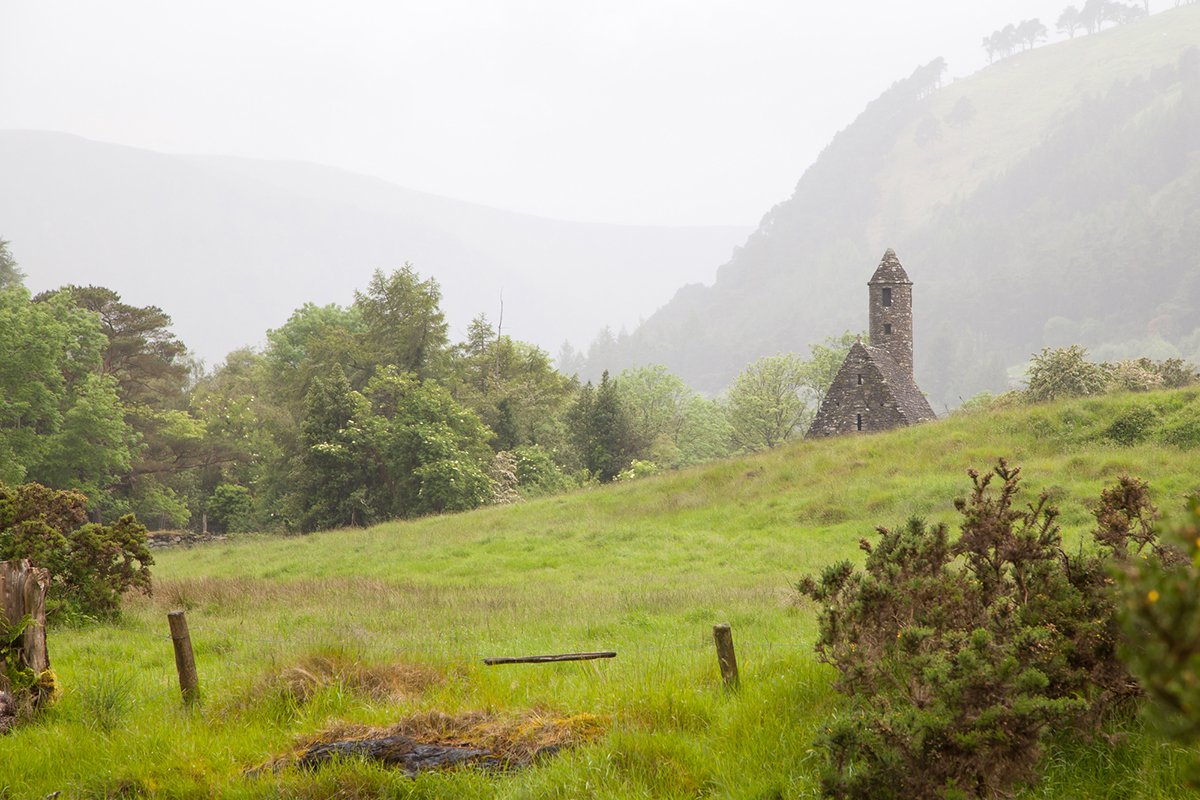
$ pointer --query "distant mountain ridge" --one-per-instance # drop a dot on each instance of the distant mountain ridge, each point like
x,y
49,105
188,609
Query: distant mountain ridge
x,y
1051,198
230,246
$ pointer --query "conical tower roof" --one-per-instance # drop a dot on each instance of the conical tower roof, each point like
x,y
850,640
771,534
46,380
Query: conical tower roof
x,y
890,270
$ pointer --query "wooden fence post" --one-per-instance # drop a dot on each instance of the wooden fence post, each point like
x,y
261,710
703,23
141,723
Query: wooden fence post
x,y
185,662
23,592
723,636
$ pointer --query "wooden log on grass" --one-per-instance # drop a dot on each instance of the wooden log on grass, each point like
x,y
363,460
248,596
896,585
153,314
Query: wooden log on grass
x,y
491,662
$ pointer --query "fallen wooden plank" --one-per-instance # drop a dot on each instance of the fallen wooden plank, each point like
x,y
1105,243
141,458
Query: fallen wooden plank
x,y
547,659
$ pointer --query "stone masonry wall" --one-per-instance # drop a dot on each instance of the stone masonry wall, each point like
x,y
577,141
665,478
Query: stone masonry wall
x,y
847,399
898,343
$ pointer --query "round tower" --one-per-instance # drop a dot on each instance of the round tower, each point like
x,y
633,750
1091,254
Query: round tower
x,y
890,293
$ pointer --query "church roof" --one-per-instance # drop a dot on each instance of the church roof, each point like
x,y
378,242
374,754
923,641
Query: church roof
x,y
910,400
890,270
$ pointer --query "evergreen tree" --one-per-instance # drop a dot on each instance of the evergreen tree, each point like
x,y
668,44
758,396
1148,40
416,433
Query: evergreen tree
x,y
405,326
610,431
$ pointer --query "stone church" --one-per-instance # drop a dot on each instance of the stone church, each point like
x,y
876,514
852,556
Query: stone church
x,y
875,389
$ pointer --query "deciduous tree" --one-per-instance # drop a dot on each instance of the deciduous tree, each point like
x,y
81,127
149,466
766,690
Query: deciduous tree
x,y
1063,372
10,274
334,479
768,402
1069,21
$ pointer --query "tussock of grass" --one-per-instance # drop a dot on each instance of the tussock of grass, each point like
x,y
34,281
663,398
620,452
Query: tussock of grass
x,y
377,682
108,700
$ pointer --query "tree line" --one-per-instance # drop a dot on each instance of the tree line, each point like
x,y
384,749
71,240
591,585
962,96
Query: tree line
x,y
1090,17
349,415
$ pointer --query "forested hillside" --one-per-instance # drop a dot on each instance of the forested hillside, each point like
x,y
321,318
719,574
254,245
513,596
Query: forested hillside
x,y
1049,199
229,247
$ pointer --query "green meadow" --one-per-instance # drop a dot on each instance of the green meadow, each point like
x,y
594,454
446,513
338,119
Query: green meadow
x,y
298,637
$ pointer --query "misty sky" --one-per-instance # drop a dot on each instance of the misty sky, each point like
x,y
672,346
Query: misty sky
x,y
650,112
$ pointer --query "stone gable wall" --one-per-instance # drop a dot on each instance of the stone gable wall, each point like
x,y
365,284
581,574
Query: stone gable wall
x,y
847,399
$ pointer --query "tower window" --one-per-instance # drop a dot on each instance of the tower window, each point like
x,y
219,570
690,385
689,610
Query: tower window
x,y
887,327
858,421
860,380
887,295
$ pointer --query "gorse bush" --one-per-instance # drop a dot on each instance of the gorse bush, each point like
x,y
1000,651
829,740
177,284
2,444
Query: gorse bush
x,y
91,565
960,655
1160,617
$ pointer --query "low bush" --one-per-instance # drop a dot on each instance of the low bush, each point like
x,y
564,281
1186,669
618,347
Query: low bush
x,y
1133,426
91,564
959,655
1182,429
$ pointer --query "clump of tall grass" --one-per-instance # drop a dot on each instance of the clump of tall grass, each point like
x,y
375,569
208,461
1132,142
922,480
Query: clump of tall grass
x,y
107,701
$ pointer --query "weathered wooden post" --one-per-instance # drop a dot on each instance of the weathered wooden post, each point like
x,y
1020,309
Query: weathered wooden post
x,y
23,590
723,636
185,662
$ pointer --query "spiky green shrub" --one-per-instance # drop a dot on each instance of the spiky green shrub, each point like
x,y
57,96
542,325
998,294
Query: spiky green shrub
x,y
91,565
960,655
1160,616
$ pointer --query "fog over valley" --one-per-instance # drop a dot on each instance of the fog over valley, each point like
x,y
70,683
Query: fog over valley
x,y
678,124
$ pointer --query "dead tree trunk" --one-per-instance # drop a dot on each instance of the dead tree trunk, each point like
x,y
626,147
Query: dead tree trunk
x,y
23,593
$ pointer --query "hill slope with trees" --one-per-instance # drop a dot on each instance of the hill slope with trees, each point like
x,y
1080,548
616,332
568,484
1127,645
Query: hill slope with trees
x,y
1049,199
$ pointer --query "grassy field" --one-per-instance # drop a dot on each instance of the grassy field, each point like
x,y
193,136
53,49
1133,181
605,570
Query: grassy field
x,y
295,636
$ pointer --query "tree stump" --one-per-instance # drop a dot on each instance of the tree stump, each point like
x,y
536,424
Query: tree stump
x,y
23,594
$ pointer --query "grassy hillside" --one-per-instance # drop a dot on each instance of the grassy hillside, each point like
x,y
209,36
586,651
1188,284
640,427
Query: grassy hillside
x,y
295,635
1017,101
1048,199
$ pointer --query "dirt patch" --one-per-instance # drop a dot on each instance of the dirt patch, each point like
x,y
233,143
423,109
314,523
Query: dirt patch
x,y
435,740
